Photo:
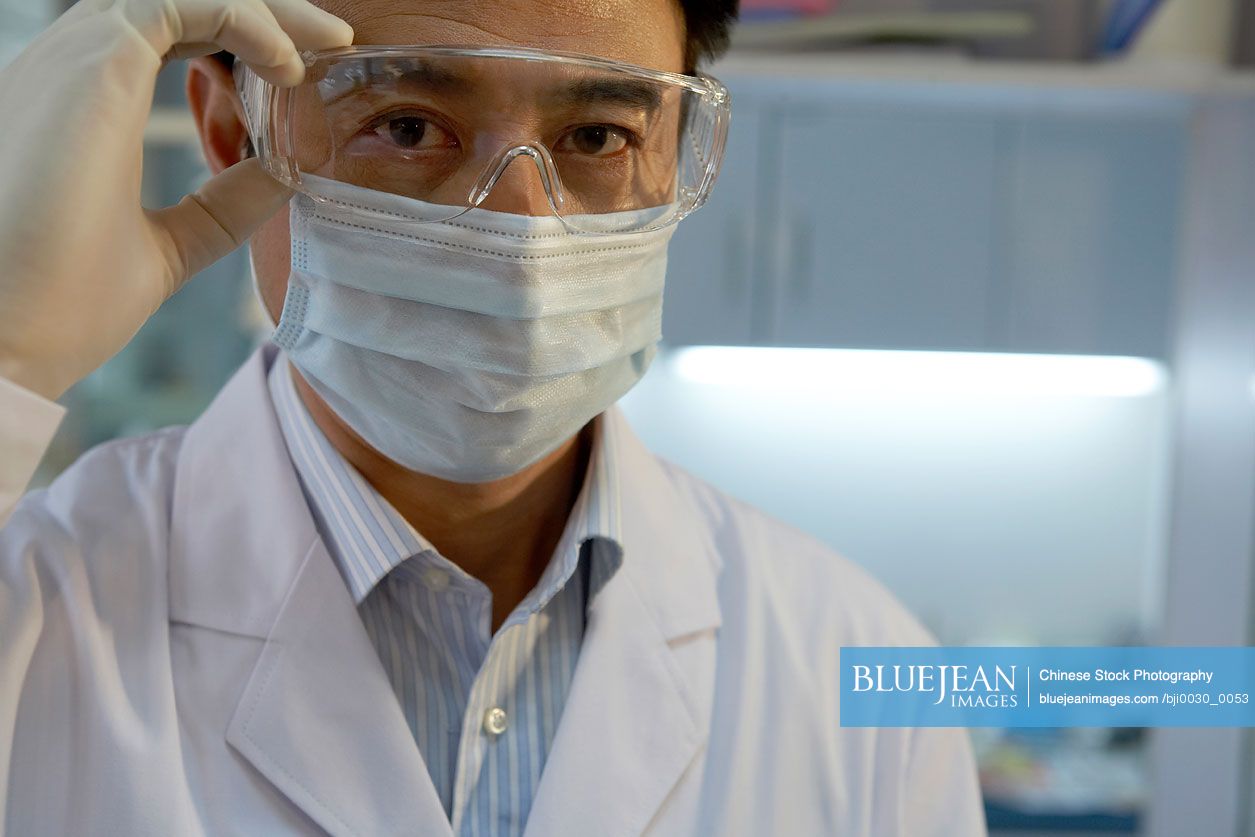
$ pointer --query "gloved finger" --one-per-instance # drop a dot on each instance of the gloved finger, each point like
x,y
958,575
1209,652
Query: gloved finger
x,y
247,29
310,27
306,25
216,218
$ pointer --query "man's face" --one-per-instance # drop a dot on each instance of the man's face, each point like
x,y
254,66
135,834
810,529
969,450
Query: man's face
x,y
647,33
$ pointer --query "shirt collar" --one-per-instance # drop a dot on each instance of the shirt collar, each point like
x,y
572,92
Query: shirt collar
x,y
594,518
368,538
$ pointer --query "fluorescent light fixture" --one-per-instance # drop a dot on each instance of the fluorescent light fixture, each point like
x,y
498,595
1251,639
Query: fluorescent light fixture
x,y
842,372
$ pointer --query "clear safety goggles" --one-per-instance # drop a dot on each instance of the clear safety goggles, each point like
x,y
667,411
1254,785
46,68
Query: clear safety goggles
x,y
447,125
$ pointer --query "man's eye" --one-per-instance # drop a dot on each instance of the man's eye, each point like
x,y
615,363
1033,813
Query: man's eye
x,y
594,140
411,132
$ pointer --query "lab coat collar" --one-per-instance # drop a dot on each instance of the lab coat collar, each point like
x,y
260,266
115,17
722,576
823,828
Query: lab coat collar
x,y
236,489
638,713
318,716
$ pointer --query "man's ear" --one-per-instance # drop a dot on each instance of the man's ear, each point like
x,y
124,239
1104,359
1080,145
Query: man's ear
x,y
218,113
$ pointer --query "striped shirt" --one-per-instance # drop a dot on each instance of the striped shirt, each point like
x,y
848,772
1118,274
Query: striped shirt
x,y
483,707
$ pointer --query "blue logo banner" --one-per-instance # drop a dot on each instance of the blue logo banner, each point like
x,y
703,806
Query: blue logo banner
x,y
1048,687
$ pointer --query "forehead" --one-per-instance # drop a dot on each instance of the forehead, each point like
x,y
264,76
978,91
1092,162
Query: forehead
x,y
648,33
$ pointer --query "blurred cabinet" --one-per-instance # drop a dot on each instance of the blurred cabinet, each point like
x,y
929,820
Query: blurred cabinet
x,y
20,22
1094,217
918,215
711,277
882,237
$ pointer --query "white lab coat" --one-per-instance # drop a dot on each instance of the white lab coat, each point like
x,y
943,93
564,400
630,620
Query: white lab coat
x,y
179,656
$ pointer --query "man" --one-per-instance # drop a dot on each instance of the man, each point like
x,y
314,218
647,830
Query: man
x,y
410,573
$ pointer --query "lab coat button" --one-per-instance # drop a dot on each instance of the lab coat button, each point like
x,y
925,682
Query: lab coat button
x,y
495,721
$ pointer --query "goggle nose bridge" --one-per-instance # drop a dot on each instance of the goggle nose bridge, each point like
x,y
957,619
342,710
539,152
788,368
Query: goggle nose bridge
x,y
545,165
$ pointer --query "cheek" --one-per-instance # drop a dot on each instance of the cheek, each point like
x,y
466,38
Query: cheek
x,y
272,257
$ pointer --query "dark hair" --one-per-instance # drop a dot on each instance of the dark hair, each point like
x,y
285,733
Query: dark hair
x,y
707,24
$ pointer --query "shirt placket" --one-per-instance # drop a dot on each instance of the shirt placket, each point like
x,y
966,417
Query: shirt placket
x,y
488,730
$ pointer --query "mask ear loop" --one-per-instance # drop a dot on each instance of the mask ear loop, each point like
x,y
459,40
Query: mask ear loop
x,y
544,164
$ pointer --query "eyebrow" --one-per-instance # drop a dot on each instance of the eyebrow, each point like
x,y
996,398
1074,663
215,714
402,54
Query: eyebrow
x,y
431,76
386,71
620,91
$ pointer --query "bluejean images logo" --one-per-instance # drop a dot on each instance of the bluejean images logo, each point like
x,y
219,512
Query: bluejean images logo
x,y
967,687
1047,687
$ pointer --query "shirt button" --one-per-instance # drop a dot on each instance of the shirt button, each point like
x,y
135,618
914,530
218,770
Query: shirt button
x,y
495,721
435,579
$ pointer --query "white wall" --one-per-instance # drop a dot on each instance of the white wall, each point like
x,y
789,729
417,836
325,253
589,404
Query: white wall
x,y
995,511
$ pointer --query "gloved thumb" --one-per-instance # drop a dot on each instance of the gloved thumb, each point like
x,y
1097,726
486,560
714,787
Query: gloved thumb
x,y
215,219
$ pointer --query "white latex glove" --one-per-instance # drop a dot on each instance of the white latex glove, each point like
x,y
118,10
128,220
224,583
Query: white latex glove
x,y
82,264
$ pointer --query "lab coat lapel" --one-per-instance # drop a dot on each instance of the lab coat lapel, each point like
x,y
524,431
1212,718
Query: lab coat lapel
x,y
638,711
317,716
320,720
